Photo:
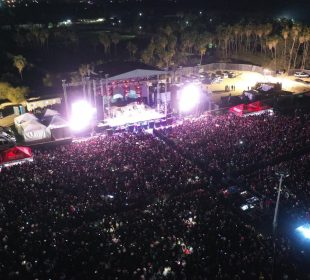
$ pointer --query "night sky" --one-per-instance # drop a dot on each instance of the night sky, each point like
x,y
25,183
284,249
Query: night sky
x,y
297,9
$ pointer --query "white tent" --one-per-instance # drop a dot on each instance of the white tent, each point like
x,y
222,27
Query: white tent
x,y
56,122
34,131
18,121
24,118
50,113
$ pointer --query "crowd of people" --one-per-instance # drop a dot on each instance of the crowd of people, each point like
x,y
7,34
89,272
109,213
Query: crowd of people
x,y
229,143
129,206
295,186
70,185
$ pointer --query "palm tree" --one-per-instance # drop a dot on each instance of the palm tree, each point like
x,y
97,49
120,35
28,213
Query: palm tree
x,y
167,57
84,70
269,44
132,49
294,34
172,42
248,33
35,32
301,41
260,33
146,56
105,40
202,51
285,32
162,41
167,30
275,42
236,31
20,63
43,37
224,34
306,47
184,44
267,28
115,38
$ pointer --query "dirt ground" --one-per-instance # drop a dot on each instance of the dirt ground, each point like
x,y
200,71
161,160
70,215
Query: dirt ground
x,y
246,80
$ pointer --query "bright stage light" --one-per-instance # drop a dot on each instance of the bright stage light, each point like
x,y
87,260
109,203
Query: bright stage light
x,y
304,230
81,115
190,96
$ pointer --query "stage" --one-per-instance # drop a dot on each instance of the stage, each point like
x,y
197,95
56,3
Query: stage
x,y
131,114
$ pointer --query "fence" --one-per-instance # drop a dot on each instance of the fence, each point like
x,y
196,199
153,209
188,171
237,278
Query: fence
x,y
223,66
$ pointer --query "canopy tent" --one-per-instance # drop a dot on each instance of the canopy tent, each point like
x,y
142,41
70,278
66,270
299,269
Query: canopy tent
x,y
18,121
239,110
14,154
252,108
24,118
57,121
59,128
34,131
258,106
50,113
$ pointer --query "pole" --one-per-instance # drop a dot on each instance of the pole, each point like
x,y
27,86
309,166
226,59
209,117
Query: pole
x,y
275,217
95,93
147,91
107,93
89,90
84,88
157,94
101,91
64,86
165,95
274,225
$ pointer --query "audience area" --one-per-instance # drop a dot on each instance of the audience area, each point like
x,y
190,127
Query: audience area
x,y
131,206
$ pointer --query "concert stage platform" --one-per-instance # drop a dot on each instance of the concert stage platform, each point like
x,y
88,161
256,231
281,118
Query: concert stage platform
x,y
131,114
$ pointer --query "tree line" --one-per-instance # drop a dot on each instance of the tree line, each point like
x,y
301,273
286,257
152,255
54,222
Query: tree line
x,y
280,44
283,43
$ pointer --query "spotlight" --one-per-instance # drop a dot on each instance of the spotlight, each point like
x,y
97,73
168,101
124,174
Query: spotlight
x,y
81,115
304,230
190,96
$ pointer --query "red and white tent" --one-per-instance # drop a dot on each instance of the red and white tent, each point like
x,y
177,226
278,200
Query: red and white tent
x,y
15,154
239,110
257,106
253,108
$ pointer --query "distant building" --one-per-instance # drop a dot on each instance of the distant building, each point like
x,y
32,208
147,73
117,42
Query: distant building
x,y
42,102
16,3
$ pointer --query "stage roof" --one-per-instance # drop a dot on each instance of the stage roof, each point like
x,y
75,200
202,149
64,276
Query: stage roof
x,y
137,73
127,70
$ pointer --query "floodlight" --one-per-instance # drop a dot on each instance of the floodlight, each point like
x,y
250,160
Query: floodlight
x,y
189,98
81,115
304,230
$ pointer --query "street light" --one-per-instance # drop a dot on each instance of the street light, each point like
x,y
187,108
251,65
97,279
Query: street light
x,y
283,174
